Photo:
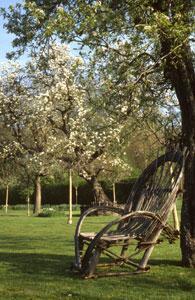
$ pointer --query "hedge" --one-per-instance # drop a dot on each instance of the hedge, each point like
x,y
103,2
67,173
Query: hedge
x,y
56,194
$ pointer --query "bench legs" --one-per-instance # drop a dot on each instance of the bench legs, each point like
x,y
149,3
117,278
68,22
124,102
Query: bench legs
x,y
89,269
145,258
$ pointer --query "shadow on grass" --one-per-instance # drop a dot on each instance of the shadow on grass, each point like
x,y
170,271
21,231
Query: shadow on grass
x,y
55,263
40,264
49,266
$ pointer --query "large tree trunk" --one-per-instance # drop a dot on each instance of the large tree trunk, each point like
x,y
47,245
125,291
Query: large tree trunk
x,y
188,214
37,200
179,70
100,196
188,126
182,77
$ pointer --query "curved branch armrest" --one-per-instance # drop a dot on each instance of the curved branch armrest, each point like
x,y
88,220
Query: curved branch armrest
x,y
81,220
98,236
170,233
92,210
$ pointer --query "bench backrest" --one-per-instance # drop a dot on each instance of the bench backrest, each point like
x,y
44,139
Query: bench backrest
x,y
155,191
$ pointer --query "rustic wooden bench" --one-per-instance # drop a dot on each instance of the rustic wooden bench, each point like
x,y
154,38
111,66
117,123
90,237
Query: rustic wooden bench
x,y
138,227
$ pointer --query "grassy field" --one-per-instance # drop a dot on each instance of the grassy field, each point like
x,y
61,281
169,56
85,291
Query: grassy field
x,y
36,253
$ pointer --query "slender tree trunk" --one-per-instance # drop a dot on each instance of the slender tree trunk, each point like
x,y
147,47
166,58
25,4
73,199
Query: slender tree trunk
x,y
37,202
99,195
76,195
175,218
6,198
114,192
28,205
70,198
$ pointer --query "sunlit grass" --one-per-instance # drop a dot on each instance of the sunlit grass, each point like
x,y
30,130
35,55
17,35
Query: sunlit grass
x,y
36,253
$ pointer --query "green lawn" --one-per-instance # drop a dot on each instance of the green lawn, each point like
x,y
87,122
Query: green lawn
x,y
36,253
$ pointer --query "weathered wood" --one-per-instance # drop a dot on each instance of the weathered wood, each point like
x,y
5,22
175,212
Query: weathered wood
x,y
105,237
140,223
119,211
92,263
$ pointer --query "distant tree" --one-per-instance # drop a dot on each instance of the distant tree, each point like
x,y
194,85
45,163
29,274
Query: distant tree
x,y
8,177
29,142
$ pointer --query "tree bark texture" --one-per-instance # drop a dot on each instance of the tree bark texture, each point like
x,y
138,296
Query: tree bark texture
x,y
179,71
37,201
182,77
100,196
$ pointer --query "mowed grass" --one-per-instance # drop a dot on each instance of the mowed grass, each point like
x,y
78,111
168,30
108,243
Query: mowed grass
x,y
36,253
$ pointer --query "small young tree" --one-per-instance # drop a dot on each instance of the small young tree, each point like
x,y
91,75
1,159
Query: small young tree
x,y
8,177
116,169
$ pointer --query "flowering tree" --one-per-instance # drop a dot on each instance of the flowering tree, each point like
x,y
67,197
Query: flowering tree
x,y
29,141
57,108
83,132
48,105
